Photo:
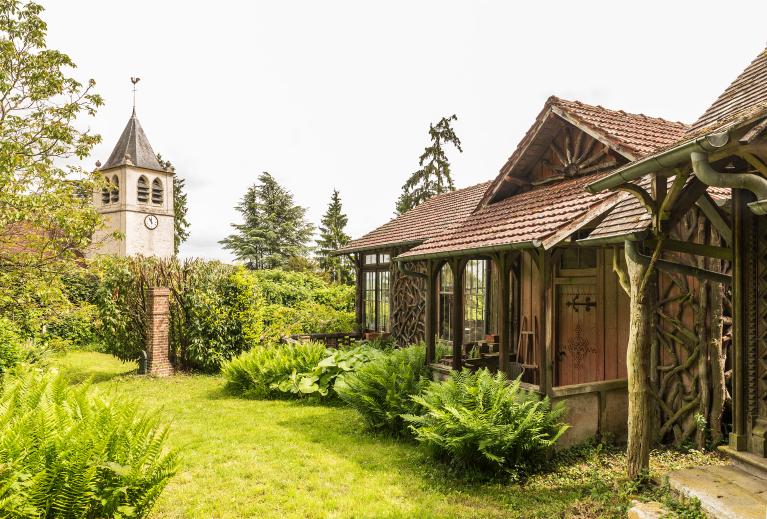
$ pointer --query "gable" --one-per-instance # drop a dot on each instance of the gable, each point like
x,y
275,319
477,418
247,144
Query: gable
x,y
559,150
602,136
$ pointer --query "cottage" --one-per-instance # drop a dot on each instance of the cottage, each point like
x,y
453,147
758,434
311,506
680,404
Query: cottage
x,y
522,273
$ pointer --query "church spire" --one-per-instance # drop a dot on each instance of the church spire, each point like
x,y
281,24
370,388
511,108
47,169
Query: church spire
x,y
133,148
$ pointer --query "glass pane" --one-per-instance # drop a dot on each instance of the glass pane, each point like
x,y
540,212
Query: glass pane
x,y
445,302
370,300
475,300
383,301
383,258
370,259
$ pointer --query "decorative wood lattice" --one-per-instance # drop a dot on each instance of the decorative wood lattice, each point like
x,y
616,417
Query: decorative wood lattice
x,y
580,155
408,299
760,345
693,334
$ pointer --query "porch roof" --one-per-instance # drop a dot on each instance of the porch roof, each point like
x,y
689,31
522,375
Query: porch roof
x,y
629,218
431,218
523,220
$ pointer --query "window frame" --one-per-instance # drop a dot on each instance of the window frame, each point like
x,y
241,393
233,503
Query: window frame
x,y
376,299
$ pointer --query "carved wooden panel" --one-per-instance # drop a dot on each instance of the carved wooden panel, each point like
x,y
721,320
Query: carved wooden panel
x,y
758,348
408,300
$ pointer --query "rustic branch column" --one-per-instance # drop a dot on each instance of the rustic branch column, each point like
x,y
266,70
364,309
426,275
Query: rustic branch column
x,y
457,266
359,303
641,418
502,316
158,343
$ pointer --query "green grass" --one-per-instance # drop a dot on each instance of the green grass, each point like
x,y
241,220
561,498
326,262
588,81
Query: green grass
x,y
285,459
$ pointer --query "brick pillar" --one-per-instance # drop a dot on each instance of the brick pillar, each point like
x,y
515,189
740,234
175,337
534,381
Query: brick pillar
x,y
157,340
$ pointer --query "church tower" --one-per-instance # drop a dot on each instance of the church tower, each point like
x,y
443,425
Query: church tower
x,y
139,200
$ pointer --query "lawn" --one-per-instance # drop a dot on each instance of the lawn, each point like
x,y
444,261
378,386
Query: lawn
x,y
250,458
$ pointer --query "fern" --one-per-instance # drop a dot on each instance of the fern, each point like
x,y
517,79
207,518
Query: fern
x,y
65,452
481,421
381,390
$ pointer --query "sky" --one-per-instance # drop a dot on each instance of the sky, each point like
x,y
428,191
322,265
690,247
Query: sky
x,y
339,94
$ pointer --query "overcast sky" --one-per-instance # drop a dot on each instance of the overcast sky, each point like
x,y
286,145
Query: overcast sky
x,y
340,94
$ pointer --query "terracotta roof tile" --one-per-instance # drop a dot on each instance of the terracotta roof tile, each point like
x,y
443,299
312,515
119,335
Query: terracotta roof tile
x,y
519,219
638,133
748,89
433,217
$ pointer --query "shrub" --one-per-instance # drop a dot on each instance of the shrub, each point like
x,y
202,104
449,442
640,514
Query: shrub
x,y
217,310
65,453
258,372
381,391
480,421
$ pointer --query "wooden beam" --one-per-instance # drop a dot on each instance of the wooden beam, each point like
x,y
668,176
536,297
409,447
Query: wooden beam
x,y
676,189
501,263
754,132
710,251
715,217
458,274
689,196
430,327
641,194
754,161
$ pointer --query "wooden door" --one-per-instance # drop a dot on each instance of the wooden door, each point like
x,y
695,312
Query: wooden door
x,y
578,357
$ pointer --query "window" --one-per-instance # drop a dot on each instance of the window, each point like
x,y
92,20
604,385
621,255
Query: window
x,y
370,259
377,259
475,297
115,192
578,258
383,259
157,194
105,192
142,190
377,300
445,302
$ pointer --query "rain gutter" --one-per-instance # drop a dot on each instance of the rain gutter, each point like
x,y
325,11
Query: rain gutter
x,y
468,252
653,163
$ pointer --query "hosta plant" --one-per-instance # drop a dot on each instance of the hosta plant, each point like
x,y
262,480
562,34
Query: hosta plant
x,y
330,371
382,390
65,452
482,422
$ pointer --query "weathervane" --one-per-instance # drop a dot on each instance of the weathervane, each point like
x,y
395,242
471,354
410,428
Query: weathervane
x,y
134,80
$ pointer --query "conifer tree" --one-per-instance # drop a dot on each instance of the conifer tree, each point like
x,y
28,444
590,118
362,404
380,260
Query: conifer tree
x,y
180,223
434,177
332,238
274,232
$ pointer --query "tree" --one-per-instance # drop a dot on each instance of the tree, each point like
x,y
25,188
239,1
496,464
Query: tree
x,y
180,223
332,238
45,221
434,176
274,233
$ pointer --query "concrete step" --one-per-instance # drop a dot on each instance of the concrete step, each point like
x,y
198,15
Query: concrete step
x,y
725,492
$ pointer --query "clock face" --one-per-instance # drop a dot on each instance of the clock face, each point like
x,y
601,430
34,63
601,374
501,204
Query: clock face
x,y
150,221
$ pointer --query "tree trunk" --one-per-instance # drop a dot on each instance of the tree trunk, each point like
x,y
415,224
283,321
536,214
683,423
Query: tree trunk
x,y
642,329
718,357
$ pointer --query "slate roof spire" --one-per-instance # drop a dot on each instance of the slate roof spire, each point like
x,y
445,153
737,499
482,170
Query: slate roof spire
x,y
133,148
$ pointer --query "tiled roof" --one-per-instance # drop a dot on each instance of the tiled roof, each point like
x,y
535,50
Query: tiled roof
x,y
629,217
431,218
748,89
519,219
631,135
636,133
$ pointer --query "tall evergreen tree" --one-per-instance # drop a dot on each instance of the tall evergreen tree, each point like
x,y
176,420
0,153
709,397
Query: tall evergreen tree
x,y
274,233
434,176
332,238
180,223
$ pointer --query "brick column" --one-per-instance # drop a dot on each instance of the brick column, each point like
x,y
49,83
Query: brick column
x,y
157,340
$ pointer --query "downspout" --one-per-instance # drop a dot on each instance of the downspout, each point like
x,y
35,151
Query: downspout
x,y
757,184
675,268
